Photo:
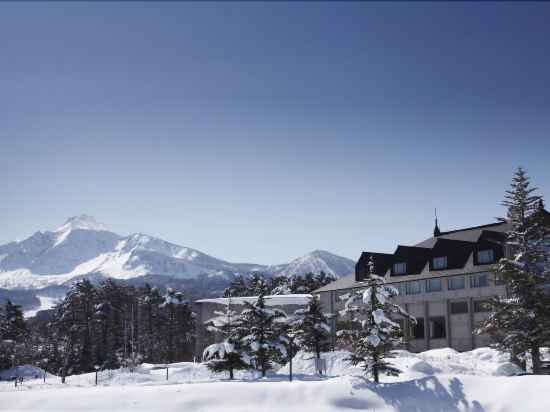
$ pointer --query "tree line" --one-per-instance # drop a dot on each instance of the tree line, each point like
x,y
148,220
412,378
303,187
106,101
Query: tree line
x,y
106,326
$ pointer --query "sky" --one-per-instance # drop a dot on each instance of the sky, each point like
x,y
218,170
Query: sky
x,y
259,132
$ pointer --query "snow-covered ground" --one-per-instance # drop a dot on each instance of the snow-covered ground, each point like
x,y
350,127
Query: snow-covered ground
x,y
46,302
437,380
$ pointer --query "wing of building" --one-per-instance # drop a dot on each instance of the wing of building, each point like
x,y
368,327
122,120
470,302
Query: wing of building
x,y
444,281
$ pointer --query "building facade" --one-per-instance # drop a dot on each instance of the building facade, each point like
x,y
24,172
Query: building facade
x,y
444,282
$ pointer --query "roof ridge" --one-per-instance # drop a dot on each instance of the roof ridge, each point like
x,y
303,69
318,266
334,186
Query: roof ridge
x,y
470,228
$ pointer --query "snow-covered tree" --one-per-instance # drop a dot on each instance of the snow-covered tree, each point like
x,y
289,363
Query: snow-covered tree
x,y
520,322
260,334
372,333
226,355
310,328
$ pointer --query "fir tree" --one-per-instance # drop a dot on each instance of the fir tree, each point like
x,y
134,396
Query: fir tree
x,y
226,355
260,334
237,287
372,334
311,330
520,322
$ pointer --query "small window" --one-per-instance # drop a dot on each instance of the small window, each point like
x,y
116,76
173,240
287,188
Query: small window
x,y
482,306
459,307
499,280
456,282
401,323
433,285
479,280
437,327
414,288
440,262
417,330
401,288
399,268
485,256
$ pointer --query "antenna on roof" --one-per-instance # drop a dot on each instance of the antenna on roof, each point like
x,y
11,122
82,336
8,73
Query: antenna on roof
x,y
437,232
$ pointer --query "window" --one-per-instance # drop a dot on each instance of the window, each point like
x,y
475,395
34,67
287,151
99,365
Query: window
x,y
459,307
399,268
440,262
433,285
401,323
479,280
417,330
481,306
485,256
456,282
437,327
413,288
499,280
401,288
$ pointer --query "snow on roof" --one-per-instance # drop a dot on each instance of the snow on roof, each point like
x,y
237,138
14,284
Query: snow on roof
x,y
270,300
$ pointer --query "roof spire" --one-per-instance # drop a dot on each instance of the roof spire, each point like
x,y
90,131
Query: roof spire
x,y
437,232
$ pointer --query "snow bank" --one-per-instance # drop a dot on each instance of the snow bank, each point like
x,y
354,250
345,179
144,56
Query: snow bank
x,y
339,394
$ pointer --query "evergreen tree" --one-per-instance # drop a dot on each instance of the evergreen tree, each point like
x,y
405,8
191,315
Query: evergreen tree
x,y
520,323
260,334
372,334
258,285
13,335
237,287
228,354
311,329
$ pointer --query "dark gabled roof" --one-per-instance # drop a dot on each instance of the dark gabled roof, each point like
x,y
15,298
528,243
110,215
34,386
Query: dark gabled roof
x,y
469,234
456,251
415,257
382,262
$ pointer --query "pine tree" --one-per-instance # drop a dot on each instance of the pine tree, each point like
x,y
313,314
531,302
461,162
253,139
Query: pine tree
x,y
520,322
372,334
13,335
258,285
237,288
260,334
226,355
310,328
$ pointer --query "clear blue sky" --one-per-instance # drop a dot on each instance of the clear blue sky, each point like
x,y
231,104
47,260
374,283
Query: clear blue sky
x,y
261,131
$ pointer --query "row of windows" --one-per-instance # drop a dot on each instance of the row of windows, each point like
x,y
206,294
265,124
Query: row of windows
x,y
484,257
477,280
437,325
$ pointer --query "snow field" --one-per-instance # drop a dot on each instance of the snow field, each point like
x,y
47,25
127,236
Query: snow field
x,y
436,380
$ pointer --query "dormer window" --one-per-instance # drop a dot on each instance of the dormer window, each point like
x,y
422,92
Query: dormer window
x,y
440,262
399,268
485,256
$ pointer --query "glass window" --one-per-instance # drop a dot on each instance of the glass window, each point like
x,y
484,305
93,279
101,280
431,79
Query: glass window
x,y
479,280
499,280
413,288
459,307
482,306
417,330
433,285
456,282
485,256
401,288
437,327
399,268
440,262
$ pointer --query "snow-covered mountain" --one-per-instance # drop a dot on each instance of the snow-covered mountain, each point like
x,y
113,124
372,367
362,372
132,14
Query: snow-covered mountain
x,y
82,246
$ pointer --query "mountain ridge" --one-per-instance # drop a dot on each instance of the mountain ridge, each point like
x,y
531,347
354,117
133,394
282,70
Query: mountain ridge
x,y
82,246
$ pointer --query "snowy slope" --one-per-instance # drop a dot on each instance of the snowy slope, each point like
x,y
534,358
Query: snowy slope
x,y
316,261
83,246
429,382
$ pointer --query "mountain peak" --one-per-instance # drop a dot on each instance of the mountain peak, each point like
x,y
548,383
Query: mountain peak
x,y
85,222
